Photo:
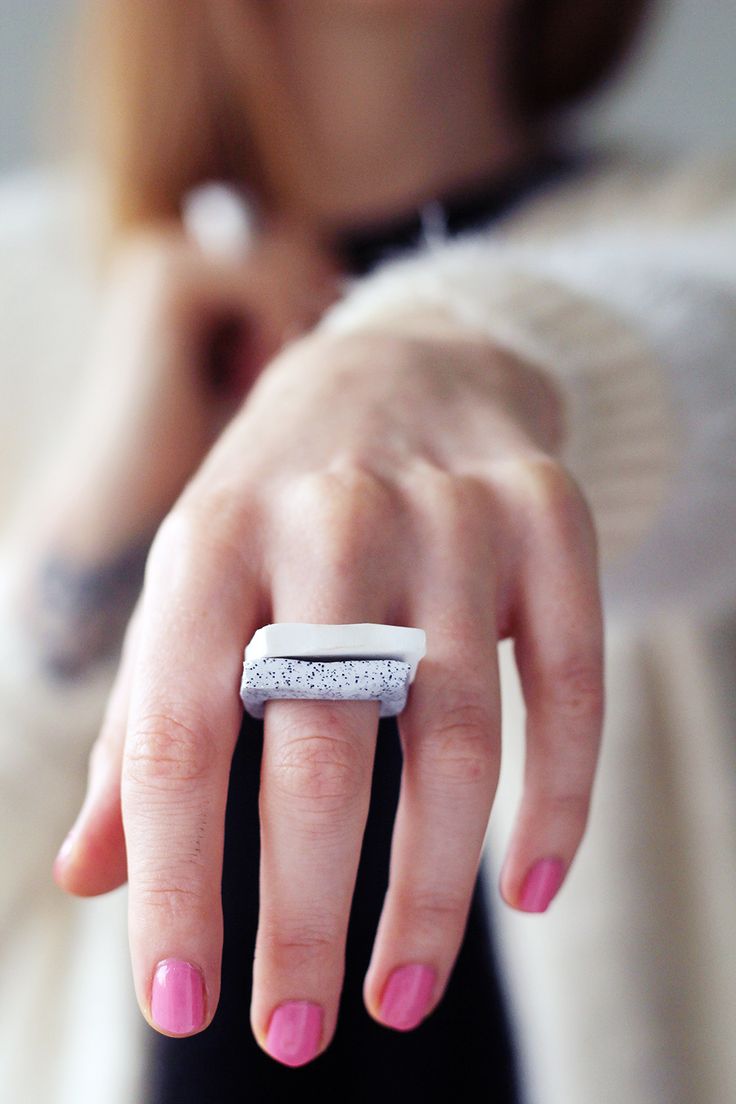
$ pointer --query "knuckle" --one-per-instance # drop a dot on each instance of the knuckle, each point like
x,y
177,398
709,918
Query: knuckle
x,y
577,689
435,907
561,806
301,940
348,486
318,769
347,506
458,504
571,806
215,510
459,749
172,902
165,751
555,494
441,489
213,524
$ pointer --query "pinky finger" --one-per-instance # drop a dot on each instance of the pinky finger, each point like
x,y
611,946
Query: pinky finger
x,y
559,647
92,858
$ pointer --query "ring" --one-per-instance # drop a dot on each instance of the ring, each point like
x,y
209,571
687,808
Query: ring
x,y
331,662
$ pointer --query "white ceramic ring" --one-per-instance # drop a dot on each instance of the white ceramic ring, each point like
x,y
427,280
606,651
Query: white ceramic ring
x,y
331,662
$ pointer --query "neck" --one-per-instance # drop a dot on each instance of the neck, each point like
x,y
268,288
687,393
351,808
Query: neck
x,y
395,104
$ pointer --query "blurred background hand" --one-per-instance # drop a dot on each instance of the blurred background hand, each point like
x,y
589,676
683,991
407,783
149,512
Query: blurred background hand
x,y
180,339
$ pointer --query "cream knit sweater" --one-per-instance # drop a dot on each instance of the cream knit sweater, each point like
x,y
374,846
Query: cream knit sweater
x,y
622,284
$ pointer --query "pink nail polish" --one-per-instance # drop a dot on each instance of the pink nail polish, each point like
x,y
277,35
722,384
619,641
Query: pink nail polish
x,y
177,997
407,996
541,884
294,1032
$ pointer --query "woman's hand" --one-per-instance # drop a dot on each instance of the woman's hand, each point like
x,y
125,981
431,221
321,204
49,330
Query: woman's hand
x,y
401,478
180,338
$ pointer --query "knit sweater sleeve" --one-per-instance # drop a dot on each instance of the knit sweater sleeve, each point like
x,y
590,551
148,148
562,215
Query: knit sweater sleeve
x,y
633,315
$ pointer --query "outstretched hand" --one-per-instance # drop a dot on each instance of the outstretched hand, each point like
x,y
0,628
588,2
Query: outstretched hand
x,y
407,478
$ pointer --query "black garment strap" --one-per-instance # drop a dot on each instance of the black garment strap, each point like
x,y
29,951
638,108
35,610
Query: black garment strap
x,y
360,248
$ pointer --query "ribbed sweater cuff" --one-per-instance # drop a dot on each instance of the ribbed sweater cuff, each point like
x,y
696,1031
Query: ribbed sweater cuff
x,y
620,426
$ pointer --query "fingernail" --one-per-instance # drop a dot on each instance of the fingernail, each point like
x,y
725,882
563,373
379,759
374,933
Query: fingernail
x,y
177,997
294,1032
407,996
541,884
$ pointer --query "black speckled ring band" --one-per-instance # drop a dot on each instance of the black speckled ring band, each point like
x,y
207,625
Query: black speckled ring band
x,y
331,662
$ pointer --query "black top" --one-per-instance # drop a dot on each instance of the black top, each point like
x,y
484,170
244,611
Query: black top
x,y
360,248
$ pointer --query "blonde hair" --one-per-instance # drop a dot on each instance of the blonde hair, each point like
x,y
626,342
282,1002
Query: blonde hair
x,y
185,91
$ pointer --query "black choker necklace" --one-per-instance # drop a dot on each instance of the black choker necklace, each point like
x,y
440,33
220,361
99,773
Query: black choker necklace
x,y
360,248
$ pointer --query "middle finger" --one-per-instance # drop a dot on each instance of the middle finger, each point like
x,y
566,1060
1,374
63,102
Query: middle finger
x,y
316,776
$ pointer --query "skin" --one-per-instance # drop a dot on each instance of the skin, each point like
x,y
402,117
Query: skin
x,y
179,341
407,474
389,71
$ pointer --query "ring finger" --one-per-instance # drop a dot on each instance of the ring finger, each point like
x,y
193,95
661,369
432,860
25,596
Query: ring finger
x,y
450,735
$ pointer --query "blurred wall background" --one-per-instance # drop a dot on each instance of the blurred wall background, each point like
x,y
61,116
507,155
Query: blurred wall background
x,y
32,37
678,90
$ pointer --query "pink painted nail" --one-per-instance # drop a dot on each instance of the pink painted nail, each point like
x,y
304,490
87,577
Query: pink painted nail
x,y
406,996
177,997
294,1032
541,884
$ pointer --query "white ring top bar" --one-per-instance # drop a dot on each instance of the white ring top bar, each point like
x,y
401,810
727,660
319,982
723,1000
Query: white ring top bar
x,y
297,639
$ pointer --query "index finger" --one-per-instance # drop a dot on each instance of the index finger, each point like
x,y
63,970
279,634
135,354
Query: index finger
x,y
199,605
